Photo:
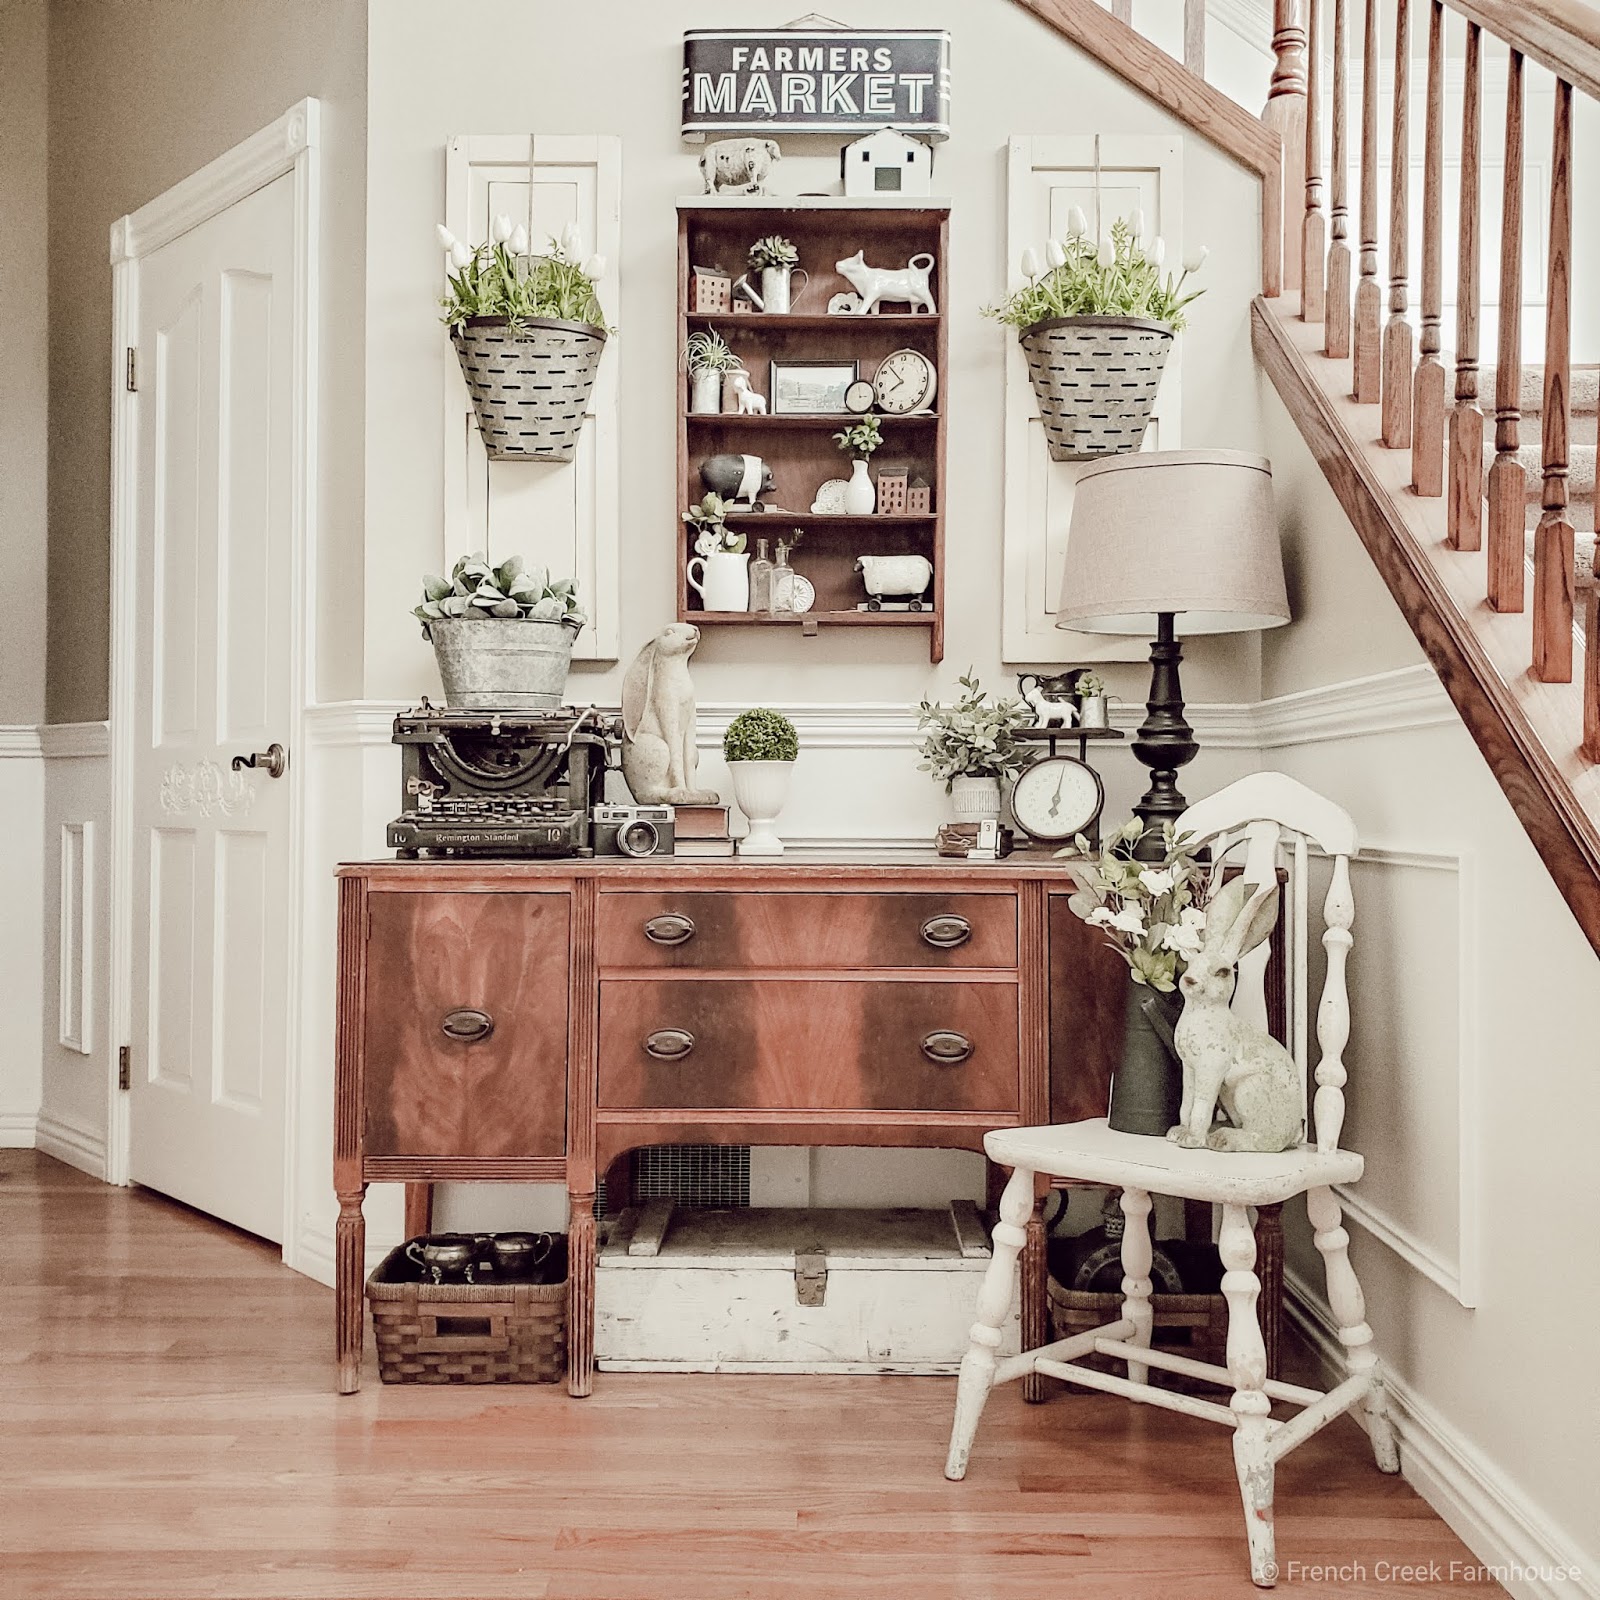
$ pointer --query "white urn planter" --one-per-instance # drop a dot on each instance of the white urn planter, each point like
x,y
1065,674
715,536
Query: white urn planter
x,y
761,788
975,799
705,392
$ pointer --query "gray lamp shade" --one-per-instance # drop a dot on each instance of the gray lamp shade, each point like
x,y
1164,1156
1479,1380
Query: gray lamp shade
x,y
1191,532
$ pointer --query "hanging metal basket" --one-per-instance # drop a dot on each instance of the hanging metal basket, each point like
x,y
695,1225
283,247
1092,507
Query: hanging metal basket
x,y
530,388
1095,379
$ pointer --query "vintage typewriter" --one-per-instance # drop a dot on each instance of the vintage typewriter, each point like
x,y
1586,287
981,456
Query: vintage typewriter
x,y
501,783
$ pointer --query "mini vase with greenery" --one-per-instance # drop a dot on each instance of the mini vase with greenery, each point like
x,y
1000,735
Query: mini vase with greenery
x,y
1150,913
775,260
859,440
760,747
1093,307
971,745
723,579
1089,688
709,360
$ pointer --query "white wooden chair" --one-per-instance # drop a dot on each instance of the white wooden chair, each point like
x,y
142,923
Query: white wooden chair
x,y
1271,820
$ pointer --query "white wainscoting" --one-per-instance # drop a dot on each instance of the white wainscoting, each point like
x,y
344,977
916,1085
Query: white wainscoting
x,y
21,957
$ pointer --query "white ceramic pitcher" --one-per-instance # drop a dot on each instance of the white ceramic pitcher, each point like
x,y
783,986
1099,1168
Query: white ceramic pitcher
x,y
724,580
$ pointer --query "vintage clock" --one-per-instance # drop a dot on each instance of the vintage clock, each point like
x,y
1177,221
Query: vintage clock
x,y
859,397
905,382
1057,798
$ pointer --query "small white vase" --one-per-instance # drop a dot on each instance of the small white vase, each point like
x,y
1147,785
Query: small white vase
x,y
975,799
724,580
705,393
761,787
860,495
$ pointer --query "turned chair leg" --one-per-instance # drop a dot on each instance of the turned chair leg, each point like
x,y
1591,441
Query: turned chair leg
x,y
994,1303
1136,1258
1247,1368
1349,1309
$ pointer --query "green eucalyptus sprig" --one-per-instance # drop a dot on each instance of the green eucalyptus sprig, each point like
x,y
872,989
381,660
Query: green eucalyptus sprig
x,y
712,533
861,438
773,251
1119,277
501,279
513,590
975,737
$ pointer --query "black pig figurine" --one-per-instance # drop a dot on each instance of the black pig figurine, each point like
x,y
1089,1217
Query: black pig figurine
x,y
742,479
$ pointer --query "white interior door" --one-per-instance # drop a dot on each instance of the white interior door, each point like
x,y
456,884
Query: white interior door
x,y
213,674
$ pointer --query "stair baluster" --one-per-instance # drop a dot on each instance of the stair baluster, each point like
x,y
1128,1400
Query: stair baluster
x,y
1313,229
1507,480
1553,540
1591,673
1397,345
1286,113
1367,363
1427,420
1336,295
1194,36
1464,509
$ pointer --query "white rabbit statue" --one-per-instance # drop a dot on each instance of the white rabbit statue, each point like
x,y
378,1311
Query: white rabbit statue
x,y
1228,1061
658,753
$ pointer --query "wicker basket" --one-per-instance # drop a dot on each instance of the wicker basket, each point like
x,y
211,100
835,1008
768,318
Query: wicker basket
x,y
466,1332
1095,379
1193,1325
530,389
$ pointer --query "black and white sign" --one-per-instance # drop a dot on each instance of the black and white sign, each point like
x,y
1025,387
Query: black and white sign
x,y
833,80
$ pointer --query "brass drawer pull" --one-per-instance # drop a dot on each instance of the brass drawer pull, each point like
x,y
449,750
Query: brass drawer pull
x,y
670,928
946,1048
669,1044
946,932
467,1025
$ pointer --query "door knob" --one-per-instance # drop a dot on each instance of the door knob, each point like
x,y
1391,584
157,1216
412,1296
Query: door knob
x,y
275,759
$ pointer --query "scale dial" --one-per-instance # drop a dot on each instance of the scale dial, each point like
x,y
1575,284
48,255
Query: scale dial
x,y
905,383
1057,798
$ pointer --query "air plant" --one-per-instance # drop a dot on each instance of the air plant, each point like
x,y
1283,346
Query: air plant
x,y
501,279
709,352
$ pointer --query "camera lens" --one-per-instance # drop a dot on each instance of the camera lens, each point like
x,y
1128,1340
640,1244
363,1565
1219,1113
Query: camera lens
x,y
638,838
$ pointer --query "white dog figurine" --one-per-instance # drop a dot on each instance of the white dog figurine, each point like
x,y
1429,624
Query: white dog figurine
x,y
738,166
1047,713
908,283
751,404
1228,1061
658,753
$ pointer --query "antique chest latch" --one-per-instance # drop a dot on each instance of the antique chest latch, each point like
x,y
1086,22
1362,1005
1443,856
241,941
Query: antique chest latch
x,y
810,1277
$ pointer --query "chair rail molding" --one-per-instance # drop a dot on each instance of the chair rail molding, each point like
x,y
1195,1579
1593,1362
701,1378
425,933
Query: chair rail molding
x,y
68,741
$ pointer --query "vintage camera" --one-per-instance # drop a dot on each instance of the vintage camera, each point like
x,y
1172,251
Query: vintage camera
x,y
632,830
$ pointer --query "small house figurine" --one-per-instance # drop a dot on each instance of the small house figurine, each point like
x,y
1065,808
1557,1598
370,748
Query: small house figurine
x,y
892,492
710,291
919,498
887,162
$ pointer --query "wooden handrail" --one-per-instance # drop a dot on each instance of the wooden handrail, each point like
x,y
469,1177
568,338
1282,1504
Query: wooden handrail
x,y
1562,35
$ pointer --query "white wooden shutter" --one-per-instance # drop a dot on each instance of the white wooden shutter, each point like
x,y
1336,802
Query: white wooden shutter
x,y
562,515
1046,176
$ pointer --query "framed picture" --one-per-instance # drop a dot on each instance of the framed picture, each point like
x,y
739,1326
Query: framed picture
x,y
808,387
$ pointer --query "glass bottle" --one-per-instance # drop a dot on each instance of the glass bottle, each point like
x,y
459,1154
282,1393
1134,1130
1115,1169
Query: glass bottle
x,y
761,578
781,592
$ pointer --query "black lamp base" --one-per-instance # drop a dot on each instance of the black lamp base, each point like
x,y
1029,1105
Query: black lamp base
x,y
1164,742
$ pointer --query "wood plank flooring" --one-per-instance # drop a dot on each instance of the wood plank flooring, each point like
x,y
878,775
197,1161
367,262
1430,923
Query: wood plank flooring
x,y
169,1430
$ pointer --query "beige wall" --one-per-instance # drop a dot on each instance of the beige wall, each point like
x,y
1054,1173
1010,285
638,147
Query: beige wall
x,y
24,305
144,92
613,67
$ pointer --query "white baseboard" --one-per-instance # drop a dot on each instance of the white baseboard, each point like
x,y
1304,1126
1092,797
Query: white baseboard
x,y
18,1129
311,1252
73,1142
1505,1531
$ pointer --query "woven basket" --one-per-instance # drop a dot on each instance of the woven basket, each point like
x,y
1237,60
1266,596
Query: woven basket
x,y
1193,1325
466,1332
1095,379
530,389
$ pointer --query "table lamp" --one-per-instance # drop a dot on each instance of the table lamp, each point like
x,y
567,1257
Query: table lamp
x,y
1170,543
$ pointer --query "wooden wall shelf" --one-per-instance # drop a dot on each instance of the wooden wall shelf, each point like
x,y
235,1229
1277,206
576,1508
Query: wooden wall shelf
x,y
799,448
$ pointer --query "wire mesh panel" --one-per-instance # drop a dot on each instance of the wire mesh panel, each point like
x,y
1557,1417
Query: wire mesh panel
x,y
709,1175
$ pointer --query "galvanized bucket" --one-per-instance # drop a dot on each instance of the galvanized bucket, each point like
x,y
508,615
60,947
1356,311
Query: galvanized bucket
x,y
530,389
503,663
1095,379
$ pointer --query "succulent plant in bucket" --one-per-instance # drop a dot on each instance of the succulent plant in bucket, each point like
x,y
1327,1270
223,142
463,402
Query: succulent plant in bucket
x,y
502,636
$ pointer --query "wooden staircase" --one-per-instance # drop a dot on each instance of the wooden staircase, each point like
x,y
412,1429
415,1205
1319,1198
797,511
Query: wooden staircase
x,y
1473,487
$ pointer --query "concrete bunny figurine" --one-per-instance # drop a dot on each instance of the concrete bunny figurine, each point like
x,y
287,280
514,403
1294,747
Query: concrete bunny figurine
x,y
1227,1061
658,753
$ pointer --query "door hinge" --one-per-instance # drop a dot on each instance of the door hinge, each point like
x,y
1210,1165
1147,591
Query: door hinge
x,y
133,370
124,1066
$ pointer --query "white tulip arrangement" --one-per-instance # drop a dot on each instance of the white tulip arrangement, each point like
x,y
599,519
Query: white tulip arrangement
x,y
500,278
1120,276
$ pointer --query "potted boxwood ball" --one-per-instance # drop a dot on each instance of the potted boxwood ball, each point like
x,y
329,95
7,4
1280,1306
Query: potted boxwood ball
x,y
1096,326
971,745
760,748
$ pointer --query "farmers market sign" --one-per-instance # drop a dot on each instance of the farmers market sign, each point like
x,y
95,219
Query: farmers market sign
x,y
831,80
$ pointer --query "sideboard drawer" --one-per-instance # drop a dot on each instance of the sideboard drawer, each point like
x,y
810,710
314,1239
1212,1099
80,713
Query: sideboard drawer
x,y
775,1044
466,1024
737,929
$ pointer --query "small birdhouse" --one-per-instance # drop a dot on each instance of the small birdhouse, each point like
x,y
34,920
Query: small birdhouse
x,y
710,291
919,498
887,162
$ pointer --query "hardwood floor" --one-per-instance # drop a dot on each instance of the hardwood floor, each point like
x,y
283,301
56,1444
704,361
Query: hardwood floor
x,y
169,1430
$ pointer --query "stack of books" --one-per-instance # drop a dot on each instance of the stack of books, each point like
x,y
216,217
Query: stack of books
x,y
702,831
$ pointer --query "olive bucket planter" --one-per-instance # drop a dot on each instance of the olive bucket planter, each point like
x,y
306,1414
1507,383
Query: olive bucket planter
x,y
1095,379
530,385
1147,1090
503,663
